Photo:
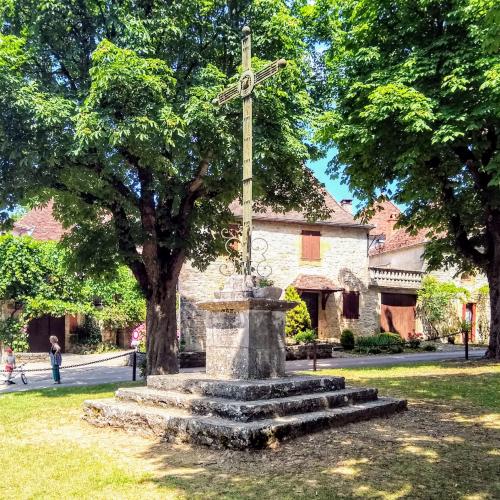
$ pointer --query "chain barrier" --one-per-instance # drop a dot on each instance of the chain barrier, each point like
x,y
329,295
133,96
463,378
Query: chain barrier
x,y
128,353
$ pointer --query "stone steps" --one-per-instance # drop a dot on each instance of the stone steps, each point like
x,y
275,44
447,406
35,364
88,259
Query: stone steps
x,y
237,413
245,411
245,390
174,423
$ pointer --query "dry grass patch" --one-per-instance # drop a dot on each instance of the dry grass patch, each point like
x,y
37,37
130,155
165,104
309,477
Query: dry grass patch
x,y
445,446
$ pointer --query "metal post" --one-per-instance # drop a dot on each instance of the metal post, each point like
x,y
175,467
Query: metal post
x,y
314,355
246,43
466,345
134,365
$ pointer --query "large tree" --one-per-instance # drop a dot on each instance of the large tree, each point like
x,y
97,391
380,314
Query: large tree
x,y
416,92
106,107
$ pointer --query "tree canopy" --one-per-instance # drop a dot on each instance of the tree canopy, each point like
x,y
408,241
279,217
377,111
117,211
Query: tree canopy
x,y
35,275
416,92
107,109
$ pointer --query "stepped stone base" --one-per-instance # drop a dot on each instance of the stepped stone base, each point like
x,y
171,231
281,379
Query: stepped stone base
x,y
237,413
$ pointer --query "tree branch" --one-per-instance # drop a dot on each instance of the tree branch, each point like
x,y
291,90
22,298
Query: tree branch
x,y
492,138
128,248
458,230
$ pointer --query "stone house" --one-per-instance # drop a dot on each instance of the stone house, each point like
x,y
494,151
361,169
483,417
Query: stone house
x,y
327,261
396,270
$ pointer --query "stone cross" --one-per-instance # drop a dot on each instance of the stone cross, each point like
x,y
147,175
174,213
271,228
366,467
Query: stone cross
x,y
244,89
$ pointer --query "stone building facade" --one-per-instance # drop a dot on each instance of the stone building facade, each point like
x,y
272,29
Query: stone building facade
x,y
397,267
326,261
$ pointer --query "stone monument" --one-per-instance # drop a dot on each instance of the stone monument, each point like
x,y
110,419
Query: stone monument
x,y
245,399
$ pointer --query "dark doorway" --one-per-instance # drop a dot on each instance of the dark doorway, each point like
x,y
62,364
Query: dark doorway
x,y
40,329
311,300
397,313
469,315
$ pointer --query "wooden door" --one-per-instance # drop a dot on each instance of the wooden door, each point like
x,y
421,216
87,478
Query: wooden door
x,y
311,300
398,313
40,329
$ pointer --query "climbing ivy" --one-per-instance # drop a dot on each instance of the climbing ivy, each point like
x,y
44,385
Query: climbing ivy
x,y
35,275
437,306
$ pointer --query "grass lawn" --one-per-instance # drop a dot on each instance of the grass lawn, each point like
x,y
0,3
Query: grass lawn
x,y
446,446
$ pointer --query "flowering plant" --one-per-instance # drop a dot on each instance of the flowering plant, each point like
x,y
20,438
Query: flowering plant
x,y
138,337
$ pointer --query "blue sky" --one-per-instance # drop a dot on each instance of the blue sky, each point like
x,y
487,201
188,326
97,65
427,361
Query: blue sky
x,y
334,187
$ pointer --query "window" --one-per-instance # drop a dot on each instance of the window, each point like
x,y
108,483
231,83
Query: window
x,y
350,303
311,245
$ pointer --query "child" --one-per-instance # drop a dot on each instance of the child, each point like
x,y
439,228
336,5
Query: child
x,y
55,358
10,364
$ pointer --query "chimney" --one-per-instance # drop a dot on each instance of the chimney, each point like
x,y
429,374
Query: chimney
x,y
346,205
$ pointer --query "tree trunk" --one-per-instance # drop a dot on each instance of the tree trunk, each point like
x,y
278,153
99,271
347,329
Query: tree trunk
x,y
161,330
493,276
494,285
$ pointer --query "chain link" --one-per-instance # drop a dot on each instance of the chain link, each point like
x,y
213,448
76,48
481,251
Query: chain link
x,y
72,366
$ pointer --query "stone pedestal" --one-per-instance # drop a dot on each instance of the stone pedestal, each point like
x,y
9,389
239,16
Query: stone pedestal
x,y
256,405
245,338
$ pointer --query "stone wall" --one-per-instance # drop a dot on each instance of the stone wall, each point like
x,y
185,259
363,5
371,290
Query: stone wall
x,y
343,260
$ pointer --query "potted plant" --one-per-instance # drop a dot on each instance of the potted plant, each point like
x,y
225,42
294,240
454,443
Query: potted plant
x,y
265,289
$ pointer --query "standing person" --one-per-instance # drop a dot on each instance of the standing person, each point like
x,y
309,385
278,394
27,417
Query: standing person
x,y
55,358
10,364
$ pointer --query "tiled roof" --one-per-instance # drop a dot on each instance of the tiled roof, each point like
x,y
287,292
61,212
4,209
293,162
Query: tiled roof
x,y
338,216
40,224
401,239
385,217
313,282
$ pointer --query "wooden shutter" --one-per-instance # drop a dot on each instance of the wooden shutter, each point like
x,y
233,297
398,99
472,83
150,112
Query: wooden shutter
x,y
311,245
350,305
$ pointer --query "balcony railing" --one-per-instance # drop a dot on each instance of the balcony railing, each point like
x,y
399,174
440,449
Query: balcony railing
x,y
395,278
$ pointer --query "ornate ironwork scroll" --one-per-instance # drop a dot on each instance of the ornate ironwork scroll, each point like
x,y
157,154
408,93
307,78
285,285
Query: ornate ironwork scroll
x,y
236,263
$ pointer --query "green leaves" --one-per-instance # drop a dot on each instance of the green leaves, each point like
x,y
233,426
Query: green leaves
x,y
298,320
36,274
108,110
437,306
410,108
415,104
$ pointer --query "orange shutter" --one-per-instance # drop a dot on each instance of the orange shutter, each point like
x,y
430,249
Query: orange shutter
x,y
311,245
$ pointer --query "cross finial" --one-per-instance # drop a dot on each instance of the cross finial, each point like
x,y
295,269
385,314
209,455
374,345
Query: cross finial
x,y
244,89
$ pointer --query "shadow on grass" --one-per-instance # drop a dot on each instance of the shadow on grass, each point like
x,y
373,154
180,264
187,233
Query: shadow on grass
x,y
421,453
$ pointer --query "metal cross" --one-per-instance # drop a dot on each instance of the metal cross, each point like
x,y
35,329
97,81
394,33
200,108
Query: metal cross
x,y
244,89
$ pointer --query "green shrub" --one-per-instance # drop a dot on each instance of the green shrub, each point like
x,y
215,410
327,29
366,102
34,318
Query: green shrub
x,y
297,319
429,347
88,332
143,366
380,341
395,349
263,282
374,350
305,337
388,339
414,340
347,339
